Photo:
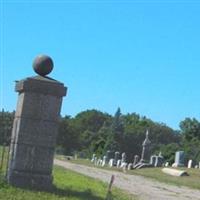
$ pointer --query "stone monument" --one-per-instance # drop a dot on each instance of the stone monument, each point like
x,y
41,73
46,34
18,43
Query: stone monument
x,y
157,161
136,160
179,159
189,164
108,156
145,149
116,158
144,161
35,128
123,157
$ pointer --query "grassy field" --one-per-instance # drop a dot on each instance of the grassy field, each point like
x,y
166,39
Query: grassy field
x,y
192,181
68,186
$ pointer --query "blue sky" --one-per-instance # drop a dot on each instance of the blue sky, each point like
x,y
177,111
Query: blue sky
x,y
141,56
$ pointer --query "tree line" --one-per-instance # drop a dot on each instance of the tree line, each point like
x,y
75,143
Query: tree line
x,y
93,131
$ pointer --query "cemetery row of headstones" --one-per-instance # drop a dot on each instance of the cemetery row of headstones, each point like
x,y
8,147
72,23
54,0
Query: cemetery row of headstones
x,y
108,159
146,160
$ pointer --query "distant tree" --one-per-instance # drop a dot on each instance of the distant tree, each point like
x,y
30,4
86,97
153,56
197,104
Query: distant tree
x,y
6,123
190,128
116,138
117,123
168,151
67,138
88,124
102,141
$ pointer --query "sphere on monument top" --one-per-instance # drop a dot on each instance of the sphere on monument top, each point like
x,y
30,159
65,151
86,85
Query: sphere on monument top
x,y
43,65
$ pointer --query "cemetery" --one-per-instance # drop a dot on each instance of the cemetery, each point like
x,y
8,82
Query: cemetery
x,y
29,156
99,100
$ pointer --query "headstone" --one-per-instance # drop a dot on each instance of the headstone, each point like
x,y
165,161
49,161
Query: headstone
x,y
167,164
130,166
196,166
108,156
153,160
93,156
116,158
99,162
190,164
174,172
159,161
199,165
95,160
146,149
35,128
104,161
124,165
123,157
119,163
136,160
179,159
111,162
75,156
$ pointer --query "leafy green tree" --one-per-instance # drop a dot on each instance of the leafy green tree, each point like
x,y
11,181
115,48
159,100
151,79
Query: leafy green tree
x,y
190,128
168,151
88,124
116,138
67,138
6,123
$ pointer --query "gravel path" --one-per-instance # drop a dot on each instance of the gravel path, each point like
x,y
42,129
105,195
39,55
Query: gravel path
x,y
144,188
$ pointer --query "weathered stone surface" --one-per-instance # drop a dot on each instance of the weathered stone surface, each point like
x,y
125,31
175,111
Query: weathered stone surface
x,y
41,85
136,160
179,159
44,109
30,132
174,172
189,164
145,156
116,157
123,157
34,132
43,65
32,159
36,181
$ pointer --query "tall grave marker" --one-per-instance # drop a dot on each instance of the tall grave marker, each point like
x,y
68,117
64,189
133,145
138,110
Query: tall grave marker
x,y
35,128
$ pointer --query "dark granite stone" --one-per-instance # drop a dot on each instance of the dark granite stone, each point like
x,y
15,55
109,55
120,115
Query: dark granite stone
x,y
43,65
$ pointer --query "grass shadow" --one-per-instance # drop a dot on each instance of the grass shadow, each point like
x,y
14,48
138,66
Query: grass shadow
x,y
67,192
83,195
109,196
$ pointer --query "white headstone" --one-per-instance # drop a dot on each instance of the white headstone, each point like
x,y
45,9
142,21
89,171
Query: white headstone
x,y
111,162
190,164
167,164
118,163
93,156
130,166
104,161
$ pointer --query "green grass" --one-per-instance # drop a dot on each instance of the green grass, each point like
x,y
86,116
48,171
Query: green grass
x,y
68,186
3,163
191,181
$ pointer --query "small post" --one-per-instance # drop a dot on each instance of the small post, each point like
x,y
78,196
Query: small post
x,y
109,195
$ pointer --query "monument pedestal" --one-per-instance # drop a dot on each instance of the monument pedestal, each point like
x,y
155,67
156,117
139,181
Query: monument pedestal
x,y
34,132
